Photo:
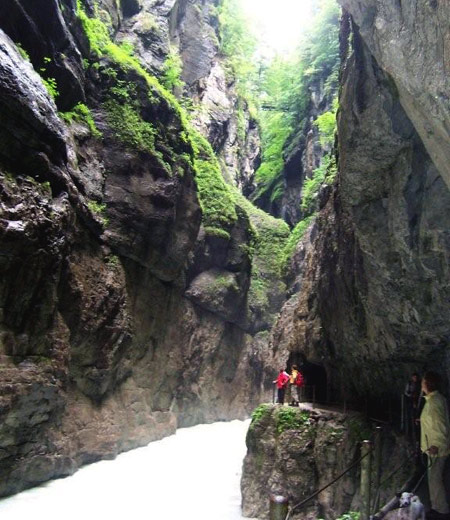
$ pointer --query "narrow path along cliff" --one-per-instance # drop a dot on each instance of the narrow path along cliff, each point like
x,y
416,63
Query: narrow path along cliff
x,y
192,474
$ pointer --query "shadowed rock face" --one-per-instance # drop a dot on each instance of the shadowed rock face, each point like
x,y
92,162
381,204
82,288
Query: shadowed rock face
x,y
111,331
411,43
373,290
68,337
28,23
41,131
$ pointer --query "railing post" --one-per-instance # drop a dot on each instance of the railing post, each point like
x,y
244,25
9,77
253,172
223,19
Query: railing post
x,y
378,454
314,396
278,507
366,466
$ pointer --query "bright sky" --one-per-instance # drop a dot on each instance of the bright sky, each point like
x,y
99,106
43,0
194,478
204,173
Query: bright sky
x,y
281,22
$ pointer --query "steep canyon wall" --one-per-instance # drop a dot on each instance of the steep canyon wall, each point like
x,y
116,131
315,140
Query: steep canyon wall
x,y
130,304
373,290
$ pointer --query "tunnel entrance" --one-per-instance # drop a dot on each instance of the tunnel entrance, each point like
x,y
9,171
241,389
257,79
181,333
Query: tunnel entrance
x,y
315,377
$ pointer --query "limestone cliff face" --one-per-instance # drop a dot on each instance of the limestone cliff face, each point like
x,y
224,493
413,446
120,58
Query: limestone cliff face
x,y
220,113
411,43
372,304
122,315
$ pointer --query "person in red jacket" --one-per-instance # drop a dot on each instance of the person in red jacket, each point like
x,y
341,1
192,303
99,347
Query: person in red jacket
x,y
281,381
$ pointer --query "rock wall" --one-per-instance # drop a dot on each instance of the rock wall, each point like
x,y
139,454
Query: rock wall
x,y
370,279
411,43
294,452
373,289
122,315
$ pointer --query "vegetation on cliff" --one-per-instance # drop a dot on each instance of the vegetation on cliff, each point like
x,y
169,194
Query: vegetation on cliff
x,y
216,198
129,120
81,114
237,45
282,91
125,116
286,87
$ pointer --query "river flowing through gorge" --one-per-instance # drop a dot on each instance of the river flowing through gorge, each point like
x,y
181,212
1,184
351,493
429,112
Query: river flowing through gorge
x,y
192,474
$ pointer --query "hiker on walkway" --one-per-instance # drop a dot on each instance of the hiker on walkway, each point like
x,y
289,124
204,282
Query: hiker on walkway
x,y
435,443
296,383
281,382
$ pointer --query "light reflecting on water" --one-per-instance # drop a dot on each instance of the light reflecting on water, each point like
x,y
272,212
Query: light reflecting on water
x,y
193,475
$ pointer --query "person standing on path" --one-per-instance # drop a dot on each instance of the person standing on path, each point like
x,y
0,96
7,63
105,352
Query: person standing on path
x,y
296,382
435,443
281,382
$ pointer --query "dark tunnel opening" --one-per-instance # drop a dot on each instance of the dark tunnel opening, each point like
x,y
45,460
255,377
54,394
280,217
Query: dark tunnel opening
x,y
315,377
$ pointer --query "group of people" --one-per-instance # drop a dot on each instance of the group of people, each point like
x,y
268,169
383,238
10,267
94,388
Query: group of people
x,y
425,411
292,382
433,421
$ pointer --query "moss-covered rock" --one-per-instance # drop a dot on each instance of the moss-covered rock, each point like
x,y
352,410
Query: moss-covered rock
x,y
267,290
296,451
219,291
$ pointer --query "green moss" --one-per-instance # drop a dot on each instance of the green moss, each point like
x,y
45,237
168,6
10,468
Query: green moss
x,y
112,260
99,209
102,45
82,114
259,413
95,30
217,232
294,238
123,112
270,236
326,123
127,47
51,86
129,127
49,82
291,419
96,207
22,51
324,174
47,187
269,240
216,201
276,128
216,198
173,67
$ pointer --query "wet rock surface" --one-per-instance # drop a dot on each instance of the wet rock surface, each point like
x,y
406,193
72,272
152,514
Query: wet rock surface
x,y
374,281
293,452
410,41
109,336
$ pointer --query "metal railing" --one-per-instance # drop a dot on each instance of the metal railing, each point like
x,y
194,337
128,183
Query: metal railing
x,y
371,484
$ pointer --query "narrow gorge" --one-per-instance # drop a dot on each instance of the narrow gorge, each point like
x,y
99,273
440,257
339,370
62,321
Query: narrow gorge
x,y
180,217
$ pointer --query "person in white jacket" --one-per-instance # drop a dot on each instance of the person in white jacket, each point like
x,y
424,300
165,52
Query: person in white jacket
x,y
435,443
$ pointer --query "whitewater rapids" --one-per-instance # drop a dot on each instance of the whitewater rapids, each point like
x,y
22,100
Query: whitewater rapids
x,y
192,475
